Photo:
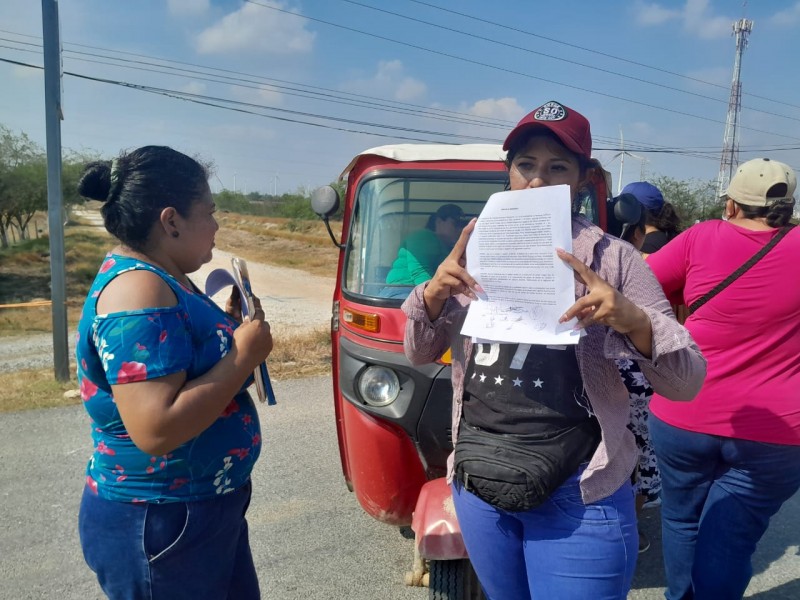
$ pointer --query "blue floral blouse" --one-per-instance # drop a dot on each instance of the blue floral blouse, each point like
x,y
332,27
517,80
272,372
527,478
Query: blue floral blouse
x,y
129,346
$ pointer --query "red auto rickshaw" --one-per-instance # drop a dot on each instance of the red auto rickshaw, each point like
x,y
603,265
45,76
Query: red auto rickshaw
x,y
392,418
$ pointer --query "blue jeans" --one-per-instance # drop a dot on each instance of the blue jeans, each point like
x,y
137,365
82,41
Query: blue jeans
x,y
562,549
718,495
170,551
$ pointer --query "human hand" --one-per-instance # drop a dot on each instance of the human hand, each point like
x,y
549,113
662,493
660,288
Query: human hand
x,y
233,306
603,304
253,338
451,275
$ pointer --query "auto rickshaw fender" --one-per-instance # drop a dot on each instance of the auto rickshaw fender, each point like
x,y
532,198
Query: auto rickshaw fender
x,y
436,529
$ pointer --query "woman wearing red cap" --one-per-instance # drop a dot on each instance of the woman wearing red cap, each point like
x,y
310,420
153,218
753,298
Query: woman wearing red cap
x,y
547,511
731,458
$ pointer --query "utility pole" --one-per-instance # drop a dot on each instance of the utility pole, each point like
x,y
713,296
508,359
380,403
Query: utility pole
x,y
55,200
730,142
621,160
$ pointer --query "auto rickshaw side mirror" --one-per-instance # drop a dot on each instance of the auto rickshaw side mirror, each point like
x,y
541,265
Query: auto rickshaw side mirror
x,y
325,202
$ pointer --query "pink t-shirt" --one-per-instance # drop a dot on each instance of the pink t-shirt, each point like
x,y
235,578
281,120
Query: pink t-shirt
x,y
749,332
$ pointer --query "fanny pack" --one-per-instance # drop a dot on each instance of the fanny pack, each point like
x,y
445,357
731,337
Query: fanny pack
x,y
519,472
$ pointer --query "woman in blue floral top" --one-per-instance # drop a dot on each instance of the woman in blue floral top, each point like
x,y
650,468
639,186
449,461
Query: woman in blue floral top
x,y
163,374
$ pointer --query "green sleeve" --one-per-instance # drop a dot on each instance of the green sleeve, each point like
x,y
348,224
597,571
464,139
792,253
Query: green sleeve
x,y
417,260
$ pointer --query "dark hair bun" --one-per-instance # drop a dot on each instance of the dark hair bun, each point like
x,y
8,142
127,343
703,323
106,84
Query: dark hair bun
x,y
95,183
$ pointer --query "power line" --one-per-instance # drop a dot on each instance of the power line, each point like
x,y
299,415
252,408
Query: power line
x,y
243,107
639,146
212,101
381,102
506,70
593,51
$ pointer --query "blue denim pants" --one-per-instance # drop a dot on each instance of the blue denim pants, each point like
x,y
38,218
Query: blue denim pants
x,y
561,549
718,495
170,551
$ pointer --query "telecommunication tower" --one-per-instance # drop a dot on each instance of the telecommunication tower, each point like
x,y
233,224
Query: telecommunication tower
x,y
730,143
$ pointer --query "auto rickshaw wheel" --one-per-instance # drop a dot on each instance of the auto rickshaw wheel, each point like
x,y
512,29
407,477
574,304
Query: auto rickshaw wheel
x,y
453,580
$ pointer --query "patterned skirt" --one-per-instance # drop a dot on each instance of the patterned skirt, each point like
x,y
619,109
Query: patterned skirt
x,y
647,479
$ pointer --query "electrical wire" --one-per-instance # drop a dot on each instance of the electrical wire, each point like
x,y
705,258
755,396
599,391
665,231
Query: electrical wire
x,y
594,51
507,70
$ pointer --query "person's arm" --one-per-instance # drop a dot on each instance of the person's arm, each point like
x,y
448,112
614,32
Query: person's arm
x,y
162,413
664,349
676,368
431,310
423,255
608,306
669,266
426,339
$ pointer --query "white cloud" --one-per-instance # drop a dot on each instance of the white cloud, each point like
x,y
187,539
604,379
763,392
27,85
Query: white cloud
x,y
789,17
714,75
695,16
640,130
501,109
261,95
255,29
194,87
654,14
188,8
390,81
699,20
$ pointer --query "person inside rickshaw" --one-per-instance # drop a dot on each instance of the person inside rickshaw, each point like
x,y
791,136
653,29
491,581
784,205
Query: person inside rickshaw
x,y
422,251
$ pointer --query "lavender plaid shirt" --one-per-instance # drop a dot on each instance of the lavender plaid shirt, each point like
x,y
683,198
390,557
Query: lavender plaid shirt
x,y
676,369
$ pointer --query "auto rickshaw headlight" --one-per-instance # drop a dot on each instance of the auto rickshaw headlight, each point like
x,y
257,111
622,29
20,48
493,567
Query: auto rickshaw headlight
x,y
378,385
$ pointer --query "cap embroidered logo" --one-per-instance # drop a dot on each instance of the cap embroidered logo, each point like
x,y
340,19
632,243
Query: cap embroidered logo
x,y
550,111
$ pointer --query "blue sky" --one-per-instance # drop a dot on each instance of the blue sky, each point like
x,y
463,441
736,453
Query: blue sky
x,y
336,73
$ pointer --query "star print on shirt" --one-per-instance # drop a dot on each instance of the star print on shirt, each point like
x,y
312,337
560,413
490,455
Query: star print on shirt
x,y
517,382
483,377
538,383
498,380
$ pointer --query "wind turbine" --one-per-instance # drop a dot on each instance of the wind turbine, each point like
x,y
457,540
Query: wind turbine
x,y
621,154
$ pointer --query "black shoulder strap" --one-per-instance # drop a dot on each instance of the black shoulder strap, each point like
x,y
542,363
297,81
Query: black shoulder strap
x,y
741,270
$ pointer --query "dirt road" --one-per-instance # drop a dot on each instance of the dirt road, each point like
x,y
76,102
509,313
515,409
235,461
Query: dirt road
x,y
291,298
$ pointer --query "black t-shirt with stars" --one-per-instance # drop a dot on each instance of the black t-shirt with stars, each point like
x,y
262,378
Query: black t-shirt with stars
x,y
524,389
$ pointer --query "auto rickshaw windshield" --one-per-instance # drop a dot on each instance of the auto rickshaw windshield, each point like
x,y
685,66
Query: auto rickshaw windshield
x,y
389,209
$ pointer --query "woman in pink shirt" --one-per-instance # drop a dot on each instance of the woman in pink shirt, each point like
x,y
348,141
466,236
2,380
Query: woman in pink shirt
x,y
731,458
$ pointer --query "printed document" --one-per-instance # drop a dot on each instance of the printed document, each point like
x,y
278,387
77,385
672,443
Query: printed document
x,y
512,255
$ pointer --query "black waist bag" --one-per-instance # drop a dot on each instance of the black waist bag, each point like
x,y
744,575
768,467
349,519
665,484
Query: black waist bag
x,y
519,472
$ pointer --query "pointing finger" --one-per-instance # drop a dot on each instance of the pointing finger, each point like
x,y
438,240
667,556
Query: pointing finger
x,y
460,246
584,274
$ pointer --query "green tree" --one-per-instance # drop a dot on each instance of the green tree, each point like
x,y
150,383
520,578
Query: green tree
x,y
232,201
21,173
693,200
27,194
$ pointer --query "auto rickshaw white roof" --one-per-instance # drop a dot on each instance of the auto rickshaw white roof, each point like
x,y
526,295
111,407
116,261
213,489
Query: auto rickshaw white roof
x,y
432,152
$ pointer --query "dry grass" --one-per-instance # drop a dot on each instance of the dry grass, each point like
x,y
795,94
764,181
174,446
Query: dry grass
x,y
297,355
25,276
302,245
36,388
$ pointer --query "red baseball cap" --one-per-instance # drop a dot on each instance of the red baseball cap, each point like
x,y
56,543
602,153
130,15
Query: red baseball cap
x,y
568,125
